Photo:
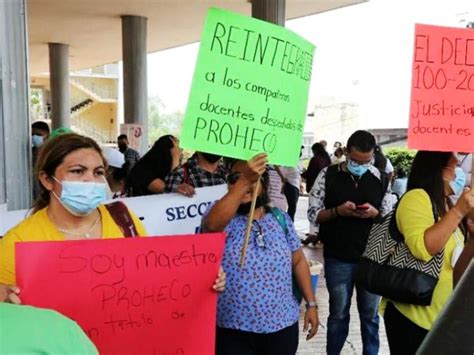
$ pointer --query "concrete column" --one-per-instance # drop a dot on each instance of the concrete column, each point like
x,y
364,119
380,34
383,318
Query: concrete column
x,y
15,131
269,10
135,88
59,79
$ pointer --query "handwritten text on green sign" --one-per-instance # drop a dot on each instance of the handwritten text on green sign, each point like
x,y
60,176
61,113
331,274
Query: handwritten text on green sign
x,y
250,90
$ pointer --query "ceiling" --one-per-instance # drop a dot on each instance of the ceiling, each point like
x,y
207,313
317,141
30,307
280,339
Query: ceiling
x,y
92,28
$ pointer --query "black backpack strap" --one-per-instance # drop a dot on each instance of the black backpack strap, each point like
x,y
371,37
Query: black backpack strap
x,y
385,181
394,231
122,217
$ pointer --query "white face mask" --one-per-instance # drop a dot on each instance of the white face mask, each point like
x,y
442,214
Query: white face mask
x,y
80,198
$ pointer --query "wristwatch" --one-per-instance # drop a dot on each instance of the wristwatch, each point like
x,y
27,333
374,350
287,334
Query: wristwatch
x,y
312,304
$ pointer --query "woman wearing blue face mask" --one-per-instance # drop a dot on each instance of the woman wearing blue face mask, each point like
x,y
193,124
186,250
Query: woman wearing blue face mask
x,y
71,171
434,178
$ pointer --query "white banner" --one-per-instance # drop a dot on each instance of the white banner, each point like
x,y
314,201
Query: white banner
x,y
170,214
9,219
164,214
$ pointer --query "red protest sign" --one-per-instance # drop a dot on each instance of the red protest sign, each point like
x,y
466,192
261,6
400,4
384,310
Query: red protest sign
x,y
442,94
131,296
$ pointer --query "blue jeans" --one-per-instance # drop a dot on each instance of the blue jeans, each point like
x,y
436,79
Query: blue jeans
x,y
340,280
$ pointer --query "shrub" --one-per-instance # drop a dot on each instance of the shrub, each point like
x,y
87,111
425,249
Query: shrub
x,y
401,158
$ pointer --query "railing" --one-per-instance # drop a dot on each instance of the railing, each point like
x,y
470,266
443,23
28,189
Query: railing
x,y
77,99
40,115
100,91
81,107
44,113
80,125
111,70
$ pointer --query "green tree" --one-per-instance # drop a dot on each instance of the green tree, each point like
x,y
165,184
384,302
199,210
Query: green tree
x,y
160,122
401,158
36,102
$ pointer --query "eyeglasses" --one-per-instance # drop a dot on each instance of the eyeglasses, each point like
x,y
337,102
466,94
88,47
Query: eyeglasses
x,y
365,164
260,236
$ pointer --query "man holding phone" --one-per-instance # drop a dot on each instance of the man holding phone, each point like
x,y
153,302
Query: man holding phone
x,y
344,201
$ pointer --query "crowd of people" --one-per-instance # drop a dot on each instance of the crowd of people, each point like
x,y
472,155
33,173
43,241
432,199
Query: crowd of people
x,y
344,201
257,311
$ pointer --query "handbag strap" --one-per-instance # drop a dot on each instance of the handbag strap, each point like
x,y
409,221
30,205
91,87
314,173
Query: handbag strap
x,y
122,217
393,225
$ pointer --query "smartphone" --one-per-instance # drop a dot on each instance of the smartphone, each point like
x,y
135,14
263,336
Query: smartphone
x,y
362,207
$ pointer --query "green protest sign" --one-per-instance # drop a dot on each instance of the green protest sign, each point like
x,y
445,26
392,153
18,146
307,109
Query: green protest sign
x,y
249,91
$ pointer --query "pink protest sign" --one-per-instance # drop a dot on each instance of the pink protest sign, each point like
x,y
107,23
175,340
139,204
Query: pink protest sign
x,y
442,94
131,296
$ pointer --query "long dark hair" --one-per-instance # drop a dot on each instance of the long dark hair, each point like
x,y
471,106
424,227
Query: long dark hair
x,y
160,152
318,150
156,162
52,155
380,161
427,174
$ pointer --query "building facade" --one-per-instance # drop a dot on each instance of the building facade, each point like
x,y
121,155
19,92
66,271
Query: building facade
x,y
93,101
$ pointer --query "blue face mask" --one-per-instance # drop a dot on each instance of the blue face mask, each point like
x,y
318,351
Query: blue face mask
x,y
37,140
80,198
357,169
457,185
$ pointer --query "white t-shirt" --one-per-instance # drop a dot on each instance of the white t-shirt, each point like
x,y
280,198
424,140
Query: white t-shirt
x,y
292,175
389,167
